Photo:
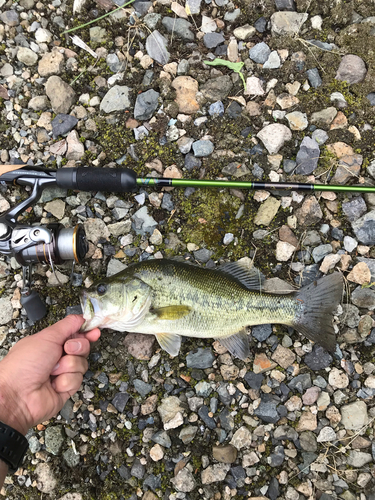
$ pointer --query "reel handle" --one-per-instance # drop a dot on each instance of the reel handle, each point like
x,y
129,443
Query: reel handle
x,y
115,180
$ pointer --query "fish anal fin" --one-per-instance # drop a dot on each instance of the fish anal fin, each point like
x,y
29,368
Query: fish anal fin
x,y
169,342
249,276
172,312
237,344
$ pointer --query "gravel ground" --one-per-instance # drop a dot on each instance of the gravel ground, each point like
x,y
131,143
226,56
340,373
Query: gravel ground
x,y
292,422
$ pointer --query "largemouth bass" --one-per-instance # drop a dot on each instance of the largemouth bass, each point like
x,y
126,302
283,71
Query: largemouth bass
x,y
170,299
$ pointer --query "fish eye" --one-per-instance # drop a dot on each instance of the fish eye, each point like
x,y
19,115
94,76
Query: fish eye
x,y
101,288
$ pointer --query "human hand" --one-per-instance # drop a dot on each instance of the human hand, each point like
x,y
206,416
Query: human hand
x,y
36,379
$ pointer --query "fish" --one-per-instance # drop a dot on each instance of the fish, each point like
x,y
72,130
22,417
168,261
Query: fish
x,y
171,299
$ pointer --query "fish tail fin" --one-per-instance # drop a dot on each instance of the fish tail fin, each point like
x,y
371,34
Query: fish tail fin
x,y
320,300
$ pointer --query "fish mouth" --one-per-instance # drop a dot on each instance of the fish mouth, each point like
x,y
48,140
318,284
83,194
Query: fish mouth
x,y
91,313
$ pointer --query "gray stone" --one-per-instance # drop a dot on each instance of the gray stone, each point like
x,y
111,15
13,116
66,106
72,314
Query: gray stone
x,y
273,61
200,358
314,77
300,382
285,5
61,95
277,458
146,104
156,47
34,444
364,228
318,359
321,251
184,481
120,400
6,311
308,441
151,20
235,170
274,136
71,459
27,56
116,99
212,40
179,27
260,52
216,109
352,69
350,244
214,473
162,438
142,387
217,89
261,332
62,124
232,16
67,411
114,63
203,415
143,222
203,255
267,412
354,415
202,148
10,18
289,166
354,208
54,438
363,297
307,156
192,162
358,459
287,23
320,136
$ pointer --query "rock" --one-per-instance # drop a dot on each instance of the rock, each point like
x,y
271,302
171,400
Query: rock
x,y
70,458
217,89
321,251
216,109
307,156
120,400
260,52
267,211
274,136
324,117
297,121
310,213
318,358
283,356
186,90
169,408
10,17
287,23
244,32
363,297
200,358
235,170
311,395
61,95
261,332
352,69
254,86
27,56
320,136
208,25
179,27
184,481
97,34
277,458
143,389
308,441
360,274
307,422
203,255
267,412
156,453
354,416
140,346
326,434
348,167
364,228
273,61
338,379
350,244
54,438
6,311
212,40
149,405
52,63
146,104
56,208
142,222
116,99
75,148
358,459
156,46
62,124
202,148
241,438
314,77
214,473
354,208
188,433
226,454
46,480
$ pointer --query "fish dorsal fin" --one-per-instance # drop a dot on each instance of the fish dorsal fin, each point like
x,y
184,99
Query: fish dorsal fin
x,y
169,342
250,277
237,344
171,312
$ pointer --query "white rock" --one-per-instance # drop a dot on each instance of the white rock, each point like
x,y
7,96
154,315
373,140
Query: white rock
x,y
326,434
284,251
338,379
274,136
350,243
156,453
254,86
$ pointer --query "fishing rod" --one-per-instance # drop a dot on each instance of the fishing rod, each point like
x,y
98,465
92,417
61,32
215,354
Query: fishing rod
x,y
54,244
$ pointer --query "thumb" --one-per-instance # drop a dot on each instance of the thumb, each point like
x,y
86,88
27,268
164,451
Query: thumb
x,y
61,331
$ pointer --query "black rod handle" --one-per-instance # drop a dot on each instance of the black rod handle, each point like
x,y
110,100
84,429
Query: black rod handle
x,y
115,180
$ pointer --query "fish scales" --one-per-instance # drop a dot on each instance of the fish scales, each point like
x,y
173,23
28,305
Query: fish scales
x,y
170,299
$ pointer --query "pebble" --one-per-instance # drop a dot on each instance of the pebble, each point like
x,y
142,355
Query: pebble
x,y
212,40
116,99
156,46
274,137
267,211
202,148
146,104
354,208
364,228
287,23
214,473
62,124
307,156
27,56
314,77
338,379
186,90
360,274
352,69
318,358
260,52
54,438
184,481
200,358
179,27
297,121
326,434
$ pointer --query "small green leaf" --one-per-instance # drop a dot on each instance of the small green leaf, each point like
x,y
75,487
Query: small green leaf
x,y
236,67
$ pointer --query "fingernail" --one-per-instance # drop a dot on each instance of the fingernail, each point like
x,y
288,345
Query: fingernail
x,y
74,346
56,367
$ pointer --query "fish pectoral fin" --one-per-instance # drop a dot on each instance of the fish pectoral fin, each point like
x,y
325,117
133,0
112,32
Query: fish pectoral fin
x,y
172,312
237,344
169,342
